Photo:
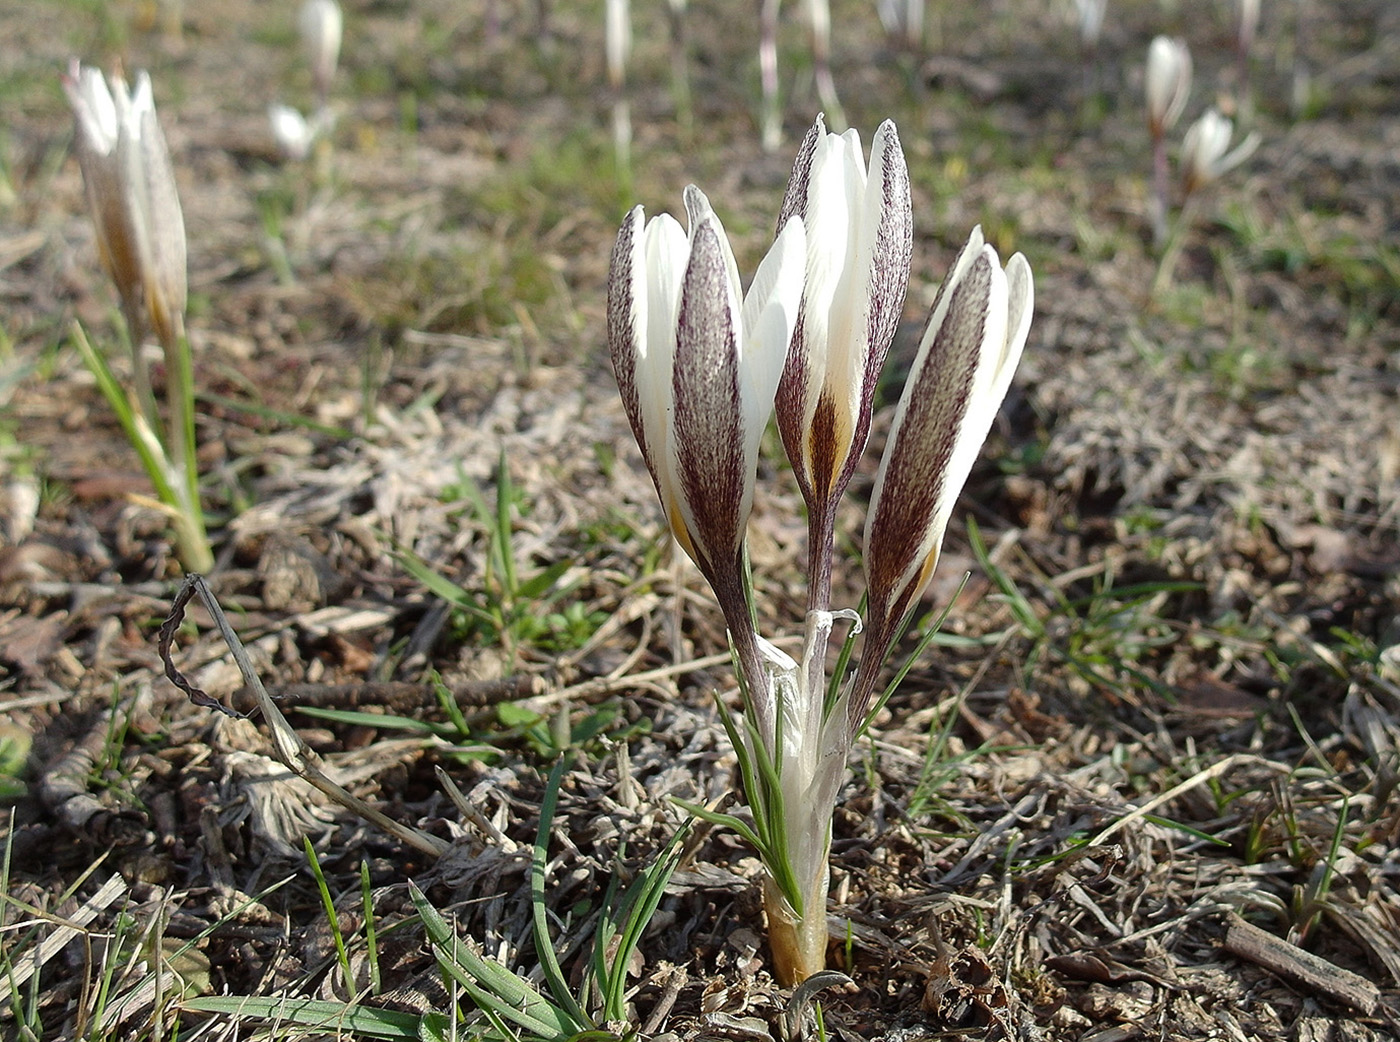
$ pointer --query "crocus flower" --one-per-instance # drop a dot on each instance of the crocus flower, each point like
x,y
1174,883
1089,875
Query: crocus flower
x,y
1091,13
321,24
1168,83
618,38
131,194
1206,155
860,231
290,131
960,375
697,370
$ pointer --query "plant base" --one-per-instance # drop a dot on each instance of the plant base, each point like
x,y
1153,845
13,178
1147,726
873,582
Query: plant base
x,y
799,944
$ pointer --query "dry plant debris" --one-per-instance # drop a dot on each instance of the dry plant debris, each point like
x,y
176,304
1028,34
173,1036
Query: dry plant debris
x,y
1145,788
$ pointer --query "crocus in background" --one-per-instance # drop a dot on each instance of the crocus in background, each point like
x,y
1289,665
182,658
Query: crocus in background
x,y
321,24
141,243
1168,85
290,131
1089,15
903,21
698,395
1206,156
819,14
617,25
771,121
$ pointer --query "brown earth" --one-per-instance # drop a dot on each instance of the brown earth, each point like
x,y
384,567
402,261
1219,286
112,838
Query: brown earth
x,y
1188,711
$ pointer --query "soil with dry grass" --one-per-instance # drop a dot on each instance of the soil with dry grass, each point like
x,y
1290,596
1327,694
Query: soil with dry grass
x,y
1166,704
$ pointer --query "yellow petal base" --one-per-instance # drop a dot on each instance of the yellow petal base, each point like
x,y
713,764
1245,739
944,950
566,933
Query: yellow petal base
x,y
799,945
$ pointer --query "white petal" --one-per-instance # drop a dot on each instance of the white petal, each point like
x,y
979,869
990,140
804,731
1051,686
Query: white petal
x,y
768,320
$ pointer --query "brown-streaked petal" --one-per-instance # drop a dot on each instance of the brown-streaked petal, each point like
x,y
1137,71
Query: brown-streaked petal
x,y
708,447
912,486
166,281
626,322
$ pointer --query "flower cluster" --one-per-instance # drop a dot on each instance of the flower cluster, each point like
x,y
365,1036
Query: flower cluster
x,y
701,368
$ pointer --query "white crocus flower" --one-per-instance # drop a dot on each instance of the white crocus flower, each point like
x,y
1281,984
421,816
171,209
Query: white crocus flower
x,y
960,376
697,365
1205,152
1091,15
1168,83
321,25
290,130
131,194
860,231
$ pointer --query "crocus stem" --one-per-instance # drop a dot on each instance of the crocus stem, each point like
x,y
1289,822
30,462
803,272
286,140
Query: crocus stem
x,y
1167,266
1159,190
768,74
680,67
799,942
140,374
190,534
729,590
821,536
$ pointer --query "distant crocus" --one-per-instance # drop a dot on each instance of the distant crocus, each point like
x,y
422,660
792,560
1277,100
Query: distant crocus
x,y
290,131
697,370
1206,155
321,25
131,194
1168,87
1090,15
860,225
1168,83
960,375
141,242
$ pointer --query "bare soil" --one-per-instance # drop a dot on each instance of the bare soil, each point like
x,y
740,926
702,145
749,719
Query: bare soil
x,y
1191,715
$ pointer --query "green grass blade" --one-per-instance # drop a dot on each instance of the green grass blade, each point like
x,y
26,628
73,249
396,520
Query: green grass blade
x,y
493,988
544,944
639,904
318,1014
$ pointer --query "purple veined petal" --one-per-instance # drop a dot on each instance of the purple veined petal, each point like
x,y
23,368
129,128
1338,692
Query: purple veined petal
x,y
627,321
891,219
707,452
795,198
965,365
700,214
644,280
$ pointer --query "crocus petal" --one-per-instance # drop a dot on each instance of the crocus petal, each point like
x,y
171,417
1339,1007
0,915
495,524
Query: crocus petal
x,y
1168,82
131,192
964,367
166,283
707,450
769,317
